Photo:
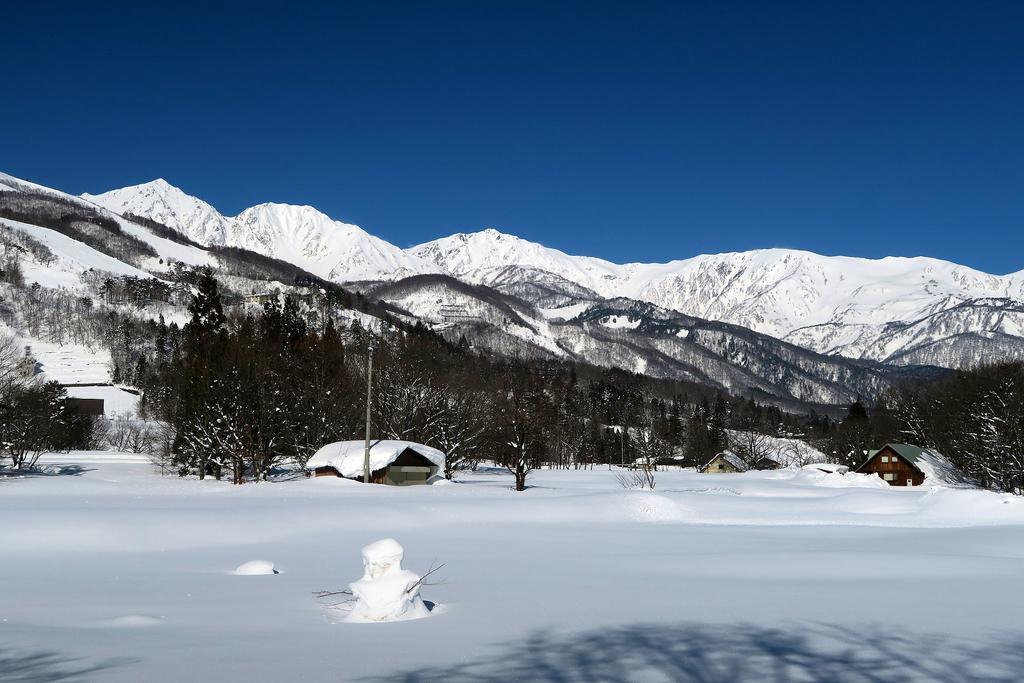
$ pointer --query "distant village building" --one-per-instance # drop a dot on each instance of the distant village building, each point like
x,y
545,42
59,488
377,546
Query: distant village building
x,y
396,463
88,407
725,462
766,463
655,463
260,298
901,464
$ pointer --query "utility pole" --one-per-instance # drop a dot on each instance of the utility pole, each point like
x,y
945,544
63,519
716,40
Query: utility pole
x,y
622,444
369,403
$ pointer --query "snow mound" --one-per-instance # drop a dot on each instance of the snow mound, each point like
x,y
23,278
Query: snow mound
x,y
826,467
255,568
655,508
386,592
815,477
130,621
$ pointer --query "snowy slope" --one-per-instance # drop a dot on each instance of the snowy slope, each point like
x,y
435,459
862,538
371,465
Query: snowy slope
x,y
476,256
774,291
638,337
298,234
167,250
831,304
495,321
325,247
72,258
160,201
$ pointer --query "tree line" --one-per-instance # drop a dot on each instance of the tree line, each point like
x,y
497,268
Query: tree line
x,y
240,392
246,393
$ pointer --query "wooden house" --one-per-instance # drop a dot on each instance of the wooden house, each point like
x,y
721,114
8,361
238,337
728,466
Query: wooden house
x,y
901,464
395,463
766,463
725,462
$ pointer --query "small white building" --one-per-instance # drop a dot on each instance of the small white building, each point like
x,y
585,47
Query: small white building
x,y
397,463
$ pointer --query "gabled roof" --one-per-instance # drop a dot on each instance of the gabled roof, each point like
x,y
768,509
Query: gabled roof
x,y
347,456
936,468
731,458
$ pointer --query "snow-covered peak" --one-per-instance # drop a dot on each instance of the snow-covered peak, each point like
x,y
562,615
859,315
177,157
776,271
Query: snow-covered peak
x,y
160,201
471,255
823,302
299,234
313,240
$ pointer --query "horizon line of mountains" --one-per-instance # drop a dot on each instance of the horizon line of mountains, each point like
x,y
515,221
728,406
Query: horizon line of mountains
x,y
783,325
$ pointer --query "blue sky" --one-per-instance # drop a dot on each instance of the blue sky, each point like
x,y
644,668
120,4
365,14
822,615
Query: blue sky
x,y
630,131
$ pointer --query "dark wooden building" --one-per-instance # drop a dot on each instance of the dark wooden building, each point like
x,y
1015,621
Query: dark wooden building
x,y
902,464
395,463
408,468
92,407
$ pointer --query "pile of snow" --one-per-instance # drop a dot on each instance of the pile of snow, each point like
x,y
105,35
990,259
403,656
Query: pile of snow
x,y
816,477
826,467
347,456
939,470
130,621
255,568
386,592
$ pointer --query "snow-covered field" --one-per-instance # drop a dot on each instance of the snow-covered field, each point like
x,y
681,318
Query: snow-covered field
x,y
119,574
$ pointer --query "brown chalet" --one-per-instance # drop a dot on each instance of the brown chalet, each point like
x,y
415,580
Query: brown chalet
x,y
901,464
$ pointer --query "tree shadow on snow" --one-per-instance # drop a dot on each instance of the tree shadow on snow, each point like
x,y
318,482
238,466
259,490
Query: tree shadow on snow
x,y
44,667
741,652
45,471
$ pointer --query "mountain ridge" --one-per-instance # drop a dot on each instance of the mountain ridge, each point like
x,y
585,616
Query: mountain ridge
x,y
832,304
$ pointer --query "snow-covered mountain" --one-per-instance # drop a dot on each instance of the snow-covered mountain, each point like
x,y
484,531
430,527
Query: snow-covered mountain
x,y
298,234
903,310
162,202
639,337
511,297
880,309
325,247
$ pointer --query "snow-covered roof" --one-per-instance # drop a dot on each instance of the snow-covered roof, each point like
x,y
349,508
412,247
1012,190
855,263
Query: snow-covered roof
x,y
936,467
347,456
731,458
786,451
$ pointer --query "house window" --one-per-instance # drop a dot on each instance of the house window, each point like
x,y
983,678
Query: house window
x,y
885,458
721,466
889,476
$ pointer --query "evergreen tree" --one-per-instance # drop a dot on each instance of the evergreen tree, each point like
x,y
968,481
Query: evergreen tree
x,y
205,309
